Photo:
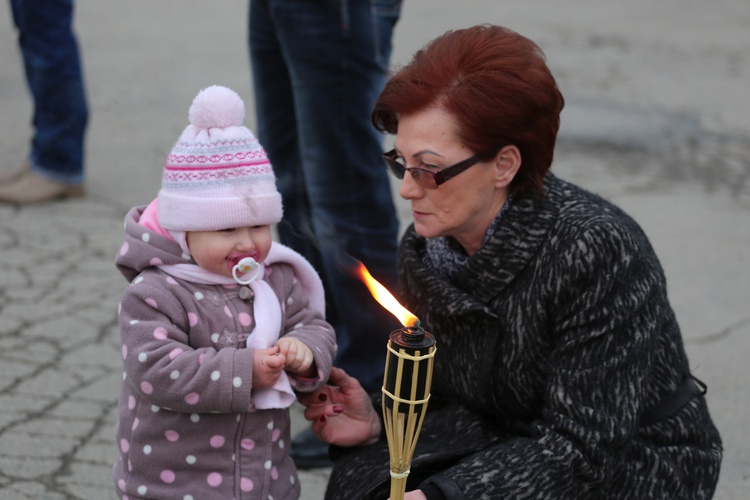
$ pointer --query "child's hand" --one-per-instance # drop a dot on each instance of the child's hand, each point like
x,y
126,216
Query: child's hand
x,y
299,357
267,367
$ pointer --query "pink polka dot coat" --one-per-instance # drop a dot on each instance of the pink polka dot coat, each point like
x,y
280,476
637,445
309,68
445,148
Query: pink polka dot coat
x,y
187,426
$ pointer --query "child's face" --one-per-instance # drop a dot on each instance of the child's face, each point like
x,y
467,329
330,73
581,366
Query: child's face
x,y
220,251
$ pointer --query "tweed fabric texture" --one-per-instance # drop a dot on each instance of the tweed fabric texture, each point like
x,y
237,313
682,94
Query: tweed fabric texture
x,y
554,340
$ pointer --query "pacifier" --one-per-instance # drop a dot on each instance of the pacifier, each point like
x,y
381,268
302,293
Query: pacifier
x,y
245,266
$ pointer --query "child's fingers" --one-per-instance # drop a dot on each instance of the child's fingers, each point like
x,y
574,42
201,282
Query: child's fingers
x,y
269,351
275,360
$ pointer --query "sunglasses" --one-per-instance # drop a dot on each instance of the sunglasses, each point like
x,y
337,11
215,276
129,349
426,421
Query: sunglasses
x,y
424,178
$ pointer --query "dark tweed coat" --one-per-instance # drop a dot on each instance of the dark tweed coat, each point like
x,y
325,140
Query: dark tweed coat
x,y
551,346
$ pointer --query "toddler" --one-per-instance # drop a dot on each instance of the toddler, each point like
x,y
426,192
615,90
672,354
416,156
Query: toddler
x,y
220,325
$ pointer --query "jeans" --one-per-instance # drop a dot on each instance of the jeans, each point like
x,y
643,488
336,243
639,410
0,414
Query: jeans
x,y
318,67
54,76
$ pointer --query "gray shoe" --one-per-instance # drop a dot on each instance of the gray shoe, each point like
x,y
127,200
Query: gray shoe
x,y
12,175
29,188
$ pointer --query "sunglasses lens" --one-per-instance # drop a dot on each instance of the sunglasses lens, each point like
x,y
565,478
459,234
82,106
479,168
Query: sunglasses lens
x,y
395,167
423,178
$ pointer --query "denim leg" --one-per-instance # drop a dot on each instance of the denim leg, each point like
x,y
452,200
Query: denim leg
x,y
318,68
54,75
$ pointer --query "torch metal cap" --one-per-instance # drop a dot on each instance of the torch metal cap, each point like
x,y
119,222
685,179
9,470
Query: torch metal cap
x,y
414,337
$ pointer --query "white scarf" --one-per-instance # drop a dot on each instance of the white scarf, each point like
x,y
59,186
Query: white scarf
x,y
266,310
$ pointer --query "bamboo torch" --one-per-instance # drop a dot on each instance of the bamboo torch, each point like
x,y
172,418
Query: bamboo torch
x,y
406,384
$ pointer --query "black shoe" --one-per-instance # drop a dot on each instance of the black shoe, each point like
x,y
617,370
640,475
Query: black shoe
x,y
309,452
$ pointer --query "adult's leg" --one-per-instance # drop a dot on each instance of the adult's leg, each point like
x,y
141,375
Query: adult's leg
x,y
55,78
277,129
337,54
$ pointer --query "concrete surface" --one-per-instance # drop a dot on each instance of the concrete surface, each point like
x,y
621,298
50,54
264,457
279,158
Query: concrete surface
x,y
657,120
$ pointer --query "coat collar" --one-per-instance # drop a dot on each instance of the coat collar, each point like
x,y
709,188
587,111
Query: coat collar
x,y
516,239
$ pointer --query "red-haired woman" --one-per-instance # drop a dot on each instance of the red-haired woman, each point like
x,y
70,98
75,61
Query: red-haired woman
x,y
560,370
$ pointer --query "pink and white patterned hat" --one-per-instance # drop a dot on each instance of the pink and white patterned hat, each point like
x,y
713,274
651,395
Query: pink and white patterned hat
x,y
217,175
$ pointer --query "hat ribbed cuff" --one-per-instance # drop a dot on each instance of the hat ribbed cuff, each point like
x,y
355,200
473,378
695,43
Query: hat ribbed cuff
x,y
190,213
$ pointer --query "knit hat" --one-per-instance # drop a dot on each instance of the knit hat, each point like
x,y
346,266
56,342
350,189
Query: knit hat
x,y
217,175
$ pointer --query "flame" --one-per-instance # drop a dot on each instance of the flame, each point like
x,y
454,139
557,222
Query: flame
x,y
384,297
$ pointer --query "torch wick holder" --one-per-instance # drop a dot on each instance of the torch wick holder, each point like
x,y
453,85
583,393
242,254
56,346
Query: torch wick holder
x,y
413,334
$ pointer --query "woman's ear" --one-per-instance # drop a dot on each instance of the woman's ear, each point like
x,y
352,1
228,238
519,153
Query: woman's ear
x,y
507,163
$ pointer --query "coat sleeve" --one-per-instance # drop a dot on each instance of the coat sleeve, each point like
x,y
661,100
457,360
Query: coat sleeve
x,y
308,325
608,292
161,366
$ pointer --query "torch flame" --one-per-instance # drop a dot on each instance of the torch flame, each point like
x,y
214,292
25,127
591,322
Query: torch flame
x,y
384,297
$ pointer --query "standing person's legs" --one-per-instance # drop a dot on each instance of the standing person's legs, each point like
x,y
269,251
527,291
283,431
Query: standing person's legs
x,y
318,68
336,55
54,74
277,130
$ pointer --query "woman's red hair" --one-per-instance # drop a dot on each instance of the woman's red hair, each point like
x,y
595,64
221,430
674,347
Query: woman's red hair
x,y
497,85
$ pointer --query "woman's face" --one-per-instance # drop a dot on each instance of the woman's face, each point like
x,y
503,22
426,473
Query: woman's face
x,y
463,207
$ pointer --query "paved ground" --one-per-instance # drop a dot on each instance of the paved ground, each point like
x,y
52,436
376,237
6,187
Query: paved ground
x,y
657,120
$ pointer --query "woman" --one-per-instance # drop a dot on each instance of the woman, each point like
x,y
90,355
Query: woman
x,y
560,370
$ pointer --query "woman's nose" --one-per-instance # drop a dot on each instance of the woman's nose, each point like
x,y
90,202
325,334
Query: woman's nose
x,y
409,189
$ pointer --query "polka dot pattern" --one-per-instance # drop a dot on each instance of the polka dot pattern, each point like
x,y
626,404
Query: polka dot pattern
x,y
162,445
246,484
247,444
192,318
214,479
245,319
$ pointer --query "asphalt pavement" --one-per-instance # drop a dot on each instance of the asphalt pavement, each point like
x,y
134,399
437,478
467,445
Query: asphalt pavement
x,y
657,120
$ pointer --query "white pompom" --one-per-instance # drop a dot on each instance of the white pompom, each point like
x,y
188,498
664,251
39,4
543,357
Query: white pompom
x,y
217,106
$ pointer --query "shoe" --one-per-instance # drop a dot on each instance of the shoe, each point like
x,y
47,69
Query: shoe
x,y
309,452
29,188
12,175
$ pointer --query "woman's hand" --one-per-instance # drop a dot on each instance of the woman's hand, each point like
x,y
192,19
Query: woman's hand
x,y
342,413
413,495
